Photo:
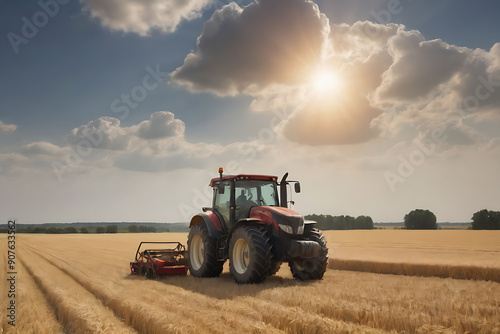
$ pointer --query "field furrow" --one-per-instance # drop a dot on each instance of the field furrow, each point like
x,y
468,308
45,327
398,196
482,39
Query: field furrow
x,y
34,313
77,309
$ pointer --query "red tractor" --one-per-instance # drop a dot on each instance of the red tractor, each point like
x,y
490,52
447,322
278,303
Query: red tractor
x,y
251,225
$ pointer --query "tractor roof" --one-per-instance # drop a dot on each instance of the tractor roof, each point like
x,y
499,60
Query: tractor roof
x,y
244,177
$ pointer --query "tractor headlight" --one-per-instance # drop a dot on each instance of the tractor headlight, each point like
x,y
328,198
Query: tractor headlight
x,y
286,228
300,229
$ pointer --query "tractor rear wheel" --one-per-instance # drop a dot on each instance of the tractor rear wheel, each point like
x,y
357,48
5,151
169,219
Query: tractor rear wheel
x,y
311,268
202,259
250,255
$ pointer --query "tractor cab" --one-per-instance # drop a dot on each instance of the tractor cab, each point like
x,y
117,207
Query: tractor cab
x,y
235,195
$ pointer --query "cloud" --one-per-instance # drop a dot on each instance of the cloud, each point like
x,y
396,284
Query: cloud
x,y
42,148
143,17
7,128
12,163
103,133
450,134
154,145
162,124
477,86
246,50
333,120
419,66
361,39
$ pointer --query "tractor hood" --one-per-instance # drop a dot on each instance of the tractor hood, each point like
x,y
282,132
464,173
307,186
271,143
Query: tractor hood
x,y
286,220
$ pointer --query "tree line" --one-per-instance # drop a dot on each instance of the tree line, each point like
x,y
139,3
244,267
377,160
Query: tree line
x,y
424,220
84,229
328,222
418,219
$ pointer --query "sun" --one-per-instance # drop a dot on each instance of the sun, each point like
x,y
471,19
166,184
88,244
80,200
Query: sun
x,y
325,81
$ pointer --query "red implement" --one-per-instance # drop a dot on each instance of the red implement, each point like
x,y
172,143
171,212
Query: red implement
x,y
153,263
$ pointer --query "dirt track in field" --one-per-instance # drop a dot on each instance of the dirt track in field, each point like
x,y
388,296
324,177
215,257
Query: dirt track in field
x,y
81,284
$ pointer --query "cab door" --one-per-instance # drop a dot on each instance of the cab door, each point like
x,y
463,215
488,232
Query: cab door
x,y
222,202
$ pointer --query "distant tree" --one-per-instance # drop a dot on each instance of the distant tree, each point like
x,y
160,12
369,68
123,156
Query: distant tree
x,y
100,229
486,220
83,229
420,220
133,229
40,229
364,223
54,230
111,229
328,222
70,229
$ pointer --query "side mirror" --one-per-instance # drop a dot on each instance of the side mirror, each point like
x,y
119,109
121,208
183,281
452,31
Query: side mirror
x,y
221,189
297,187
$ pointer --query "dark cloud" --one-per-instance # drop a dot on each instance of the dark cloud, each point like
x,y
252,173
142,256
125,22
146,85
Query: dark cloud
x,y
419,66
244,50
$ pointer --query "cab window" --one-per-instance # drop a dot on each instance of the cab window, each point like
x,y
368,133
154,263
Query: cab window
x,y
223,201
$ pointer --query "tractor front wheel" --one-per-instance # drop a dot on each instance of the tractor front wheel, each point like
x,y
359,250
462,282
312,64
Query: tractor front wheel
x,y
250,255
311,268
202,248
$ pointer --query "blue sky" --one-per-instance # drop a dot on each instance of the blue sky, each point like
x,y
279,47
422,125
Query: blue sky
x,y
90,54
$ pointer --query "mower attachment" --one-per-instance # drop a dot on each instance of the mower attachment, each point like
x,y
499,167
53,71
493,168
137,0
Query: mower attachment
x,y
153,263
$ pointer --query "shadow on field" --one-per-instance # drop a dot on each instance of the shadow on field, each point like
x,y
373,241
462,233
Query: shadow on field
x,y
224,287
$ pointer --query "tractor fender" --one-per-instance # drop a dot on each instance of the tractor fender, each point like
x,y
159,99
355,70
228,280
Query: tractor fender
x,y
310,222
211,221
247,221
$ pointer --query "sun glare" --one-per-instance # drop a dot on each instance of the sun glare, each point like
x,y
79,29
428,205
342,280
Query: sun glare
x,y
326,81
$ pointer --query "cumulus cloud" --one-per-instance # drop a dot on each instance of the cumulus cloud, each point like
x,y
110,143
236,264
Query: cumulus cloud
x,y
154,145
419,66
245,50
142,17
477,86
103,133
449,134
162,124
7,128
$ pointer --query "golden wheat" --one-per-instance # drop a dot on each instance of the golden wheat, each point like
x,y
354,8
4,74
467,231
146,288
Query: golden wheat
x,y
34,313
440,247
85,281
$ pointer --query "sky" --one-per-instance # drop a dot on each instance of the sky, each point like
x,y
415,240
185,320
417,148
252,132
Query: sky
x,y
123,110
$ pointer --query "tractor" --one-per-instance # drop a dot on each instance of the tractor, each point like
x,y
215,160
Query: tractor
x,y
250,224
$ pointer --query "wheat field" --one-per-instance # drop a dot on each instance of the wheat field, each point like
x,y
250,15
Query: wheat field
x,y
81,284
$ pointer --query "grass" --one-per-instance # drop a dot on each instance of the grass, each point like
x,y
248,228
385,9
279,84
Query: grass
x,y
81,283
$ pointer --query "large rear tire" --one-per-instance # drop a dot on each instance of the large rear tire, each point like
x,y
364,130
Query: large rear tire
x,y
311,268
202,259
250,255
